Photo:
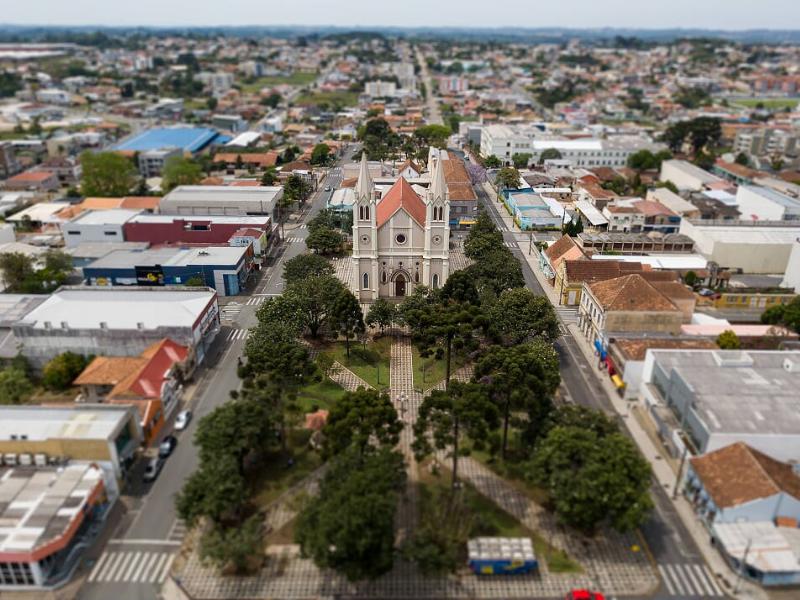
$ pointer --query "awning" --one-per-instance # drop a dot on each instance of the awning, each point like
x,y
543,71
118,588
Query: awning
x,y
467,221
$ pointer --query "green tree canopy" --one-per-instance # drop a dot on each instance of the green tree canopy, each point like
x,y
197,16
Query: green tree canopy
x,y
382,313
521,159
240,547
508,178
519,315
179,170
107,174
314,298
321,155
61,371
216,490
346,317
296,189
15,387
364,420
784,314
549,154
325,241
491,162
305,265
728,340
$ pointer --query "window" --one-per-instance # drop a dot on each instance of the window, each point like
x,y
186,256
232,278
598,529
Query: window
x,y
73,232
435,282
400,238
109,233
365,281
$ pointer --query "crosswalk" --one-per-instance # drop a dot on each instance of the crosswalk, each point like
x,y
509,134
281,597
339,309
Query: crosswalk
x,y
511,245
690,580
237,334
293,239
133,566
568,314
231,310
255,301
178,531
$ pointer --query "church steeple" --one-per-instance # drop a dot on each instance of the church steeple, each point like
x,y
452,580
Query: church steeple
x,y
364,185
438,183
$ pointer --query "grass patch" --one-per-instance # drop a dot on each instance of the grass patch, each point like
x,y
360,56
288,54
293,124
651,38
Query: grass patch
x,y
334,99
274,476
478,516
429,372
298,78
372,364
768,103
320,395
513,473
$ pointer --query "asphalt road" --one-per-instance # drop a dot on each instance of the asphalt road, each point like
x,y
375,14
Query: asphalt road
x,y
679,563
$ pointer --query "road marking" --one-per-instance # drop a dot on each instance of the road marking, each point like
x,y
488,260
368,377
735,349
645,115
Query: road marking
x,y
709,576
146,571
667,582
132,566
112,575
98,565
154,575
140,568
166,568
114,558
144,542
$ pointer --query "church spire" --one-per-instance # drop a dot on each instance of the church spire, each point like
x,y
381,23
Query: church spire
x,y
438,183
364,184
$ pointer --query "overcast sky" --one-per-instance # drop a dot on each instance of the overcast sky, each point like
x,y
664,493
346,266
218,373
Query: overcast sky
x,y
651,14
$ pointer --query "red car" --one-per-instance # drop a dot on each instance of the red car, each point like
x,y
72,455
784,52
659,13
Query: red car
x,y
584,595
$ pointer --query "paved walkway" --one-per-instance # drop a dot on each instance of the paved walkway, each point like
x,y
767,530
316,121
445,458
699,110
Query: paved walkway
x,y
345,270
346,378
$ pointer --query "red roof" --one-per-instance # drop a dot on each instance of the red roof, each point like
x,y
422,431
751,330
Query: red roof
x,y
401,195
147,381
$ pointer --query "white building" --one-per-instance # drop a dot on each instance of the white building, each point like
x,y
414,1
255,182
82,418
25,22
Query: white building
x,y
504,141
97,226
380,89
763,204
687,176
400,238
222,200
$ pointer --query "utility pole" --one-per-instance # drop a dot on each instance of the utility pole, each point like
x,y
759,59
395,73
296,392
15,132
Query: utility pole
x,y
684,415
742,567
530,243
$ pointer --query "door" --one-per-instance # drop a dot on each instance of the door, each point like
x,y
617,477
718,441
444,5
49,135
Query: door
x,y
571,297
400,286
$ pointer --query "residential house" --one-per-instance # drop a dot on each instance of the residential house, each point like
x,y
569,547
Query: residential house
x,y
564,248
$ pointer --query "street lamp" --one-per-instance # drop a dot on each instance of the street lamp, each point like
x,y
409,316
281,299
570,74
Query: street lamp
x,y
742,567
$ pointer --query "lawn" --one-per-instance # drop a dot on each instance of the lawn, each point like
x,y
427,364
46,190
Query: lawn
x,y
323,394
430,371
298,78
485,518
274,474
370,365
336,99
768,103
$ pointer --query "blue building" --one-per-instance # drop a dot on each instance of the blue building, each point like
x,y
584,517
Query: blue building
x,y
188,139
222,268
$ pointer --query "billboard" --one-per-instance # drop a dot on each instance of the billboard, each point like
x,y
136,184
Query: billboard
x,y
151,275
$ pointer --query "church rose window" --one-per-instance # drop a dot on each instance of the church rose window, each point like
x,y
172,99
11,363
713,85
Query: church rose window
x,y
400,238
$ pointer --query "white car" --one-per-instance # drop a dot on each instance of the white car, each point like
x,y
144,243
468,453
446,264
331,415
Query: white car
x,y
182,420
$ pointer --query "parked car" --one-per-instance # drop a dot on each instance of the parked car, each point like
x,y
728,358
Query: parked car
x,y
584,595
182,420
327,188
152,469
167,446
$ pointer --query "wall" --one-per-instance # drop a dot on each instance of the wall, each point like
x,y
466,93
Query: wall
x,y
754,206
643,321
75,233
166,233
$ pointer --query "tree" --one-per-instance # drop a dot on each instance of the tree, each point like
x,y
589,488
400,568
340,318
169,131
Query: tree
x,y
583,418
364,420
306,265
492,162
18,271
432,135
321,155
520,378
268,178
314,298
380,142
447,416
690,278
549,154
346,317
239,547
106,174
211,103
272,100
216,490
728,340
700,132
572,227
593,479
15,386
325,241
519,315
742,159
460,287
508,178
296,188
483,237
496,272
61,371
350,525
521,159
180,171
381,313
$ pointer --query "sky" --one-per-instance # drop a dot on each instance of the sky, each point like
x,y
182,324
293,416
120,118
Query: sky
x,y
649,14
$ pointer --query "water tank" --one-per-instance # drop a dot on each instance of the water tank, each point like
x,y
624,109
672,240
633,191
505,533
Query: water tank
x,y
40,460
25,459
10,460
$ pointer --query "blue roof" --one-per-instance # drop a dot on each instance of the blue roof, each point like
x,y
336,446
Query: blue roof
x,y
189,139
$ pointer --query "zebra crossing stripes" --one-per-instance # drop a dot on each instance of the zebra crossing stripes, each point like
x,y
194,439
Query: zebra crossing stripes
x,y
132,567
690,580
511,244
568,314
293,239
230,310
255,301
178,531
237,334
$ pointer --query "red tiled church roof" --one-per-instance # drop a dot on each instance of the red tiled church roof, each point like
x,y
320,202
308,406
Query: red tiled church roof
x,y
400,195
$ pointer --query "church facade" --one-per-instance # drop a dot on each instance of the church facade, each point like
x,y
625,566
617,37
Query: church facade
x,y
400,238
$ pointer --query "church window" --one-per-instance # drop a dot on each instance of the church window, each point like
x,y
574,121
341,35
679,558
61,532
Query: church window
x,y
400,238
435,283
383,276
366,281
416,277
366,213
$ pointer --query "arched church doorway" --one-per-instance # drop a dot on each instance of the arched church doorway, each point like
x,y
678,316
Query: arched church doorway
x,y
400,285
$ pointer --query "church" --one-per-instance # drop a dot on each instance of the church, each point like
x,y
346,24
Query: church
x,y
400,237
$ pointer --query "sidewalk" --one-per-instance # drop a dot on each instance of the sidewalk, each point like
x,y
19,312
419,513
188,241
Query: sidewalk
x,y
664,470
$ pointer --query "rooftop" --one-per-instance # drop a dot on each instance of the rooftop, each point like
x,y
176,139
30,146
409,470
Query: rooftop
x,y
630,293
740,392
189,139
77,422
400,195
244,220
113,216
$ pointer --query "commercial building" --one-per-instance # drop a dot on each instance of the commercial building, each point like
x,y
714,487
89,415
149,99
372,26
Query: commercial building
x,y
757,203
117,321
688,177
33,181
635,243
213,230
223,268
750,246
47,516
97,226
674,202
151,162
203,200
718,397
105,435
189,140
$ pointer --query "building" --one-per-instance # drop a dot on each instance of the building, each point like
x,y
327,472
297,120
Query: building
x,y
657,217
463,200
97,226
791,277
635,243
563,249
151,162
674,202
533,211
767,142
572,274
757,203
215,230
401,239
223,268
104,435
160,143
95,321
232,123
625,305
49,515
33,181
751,246
719,397
504,141
152,382
204,200
9,165
623,218
380,89
686,176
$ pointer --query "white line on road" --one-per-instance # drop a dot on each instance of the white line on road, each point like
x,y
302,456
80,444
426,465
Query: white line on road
x,y
98,565
711,579
165,570
140,568
117,571
156,572
131,567
667,582
144,542
146,571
